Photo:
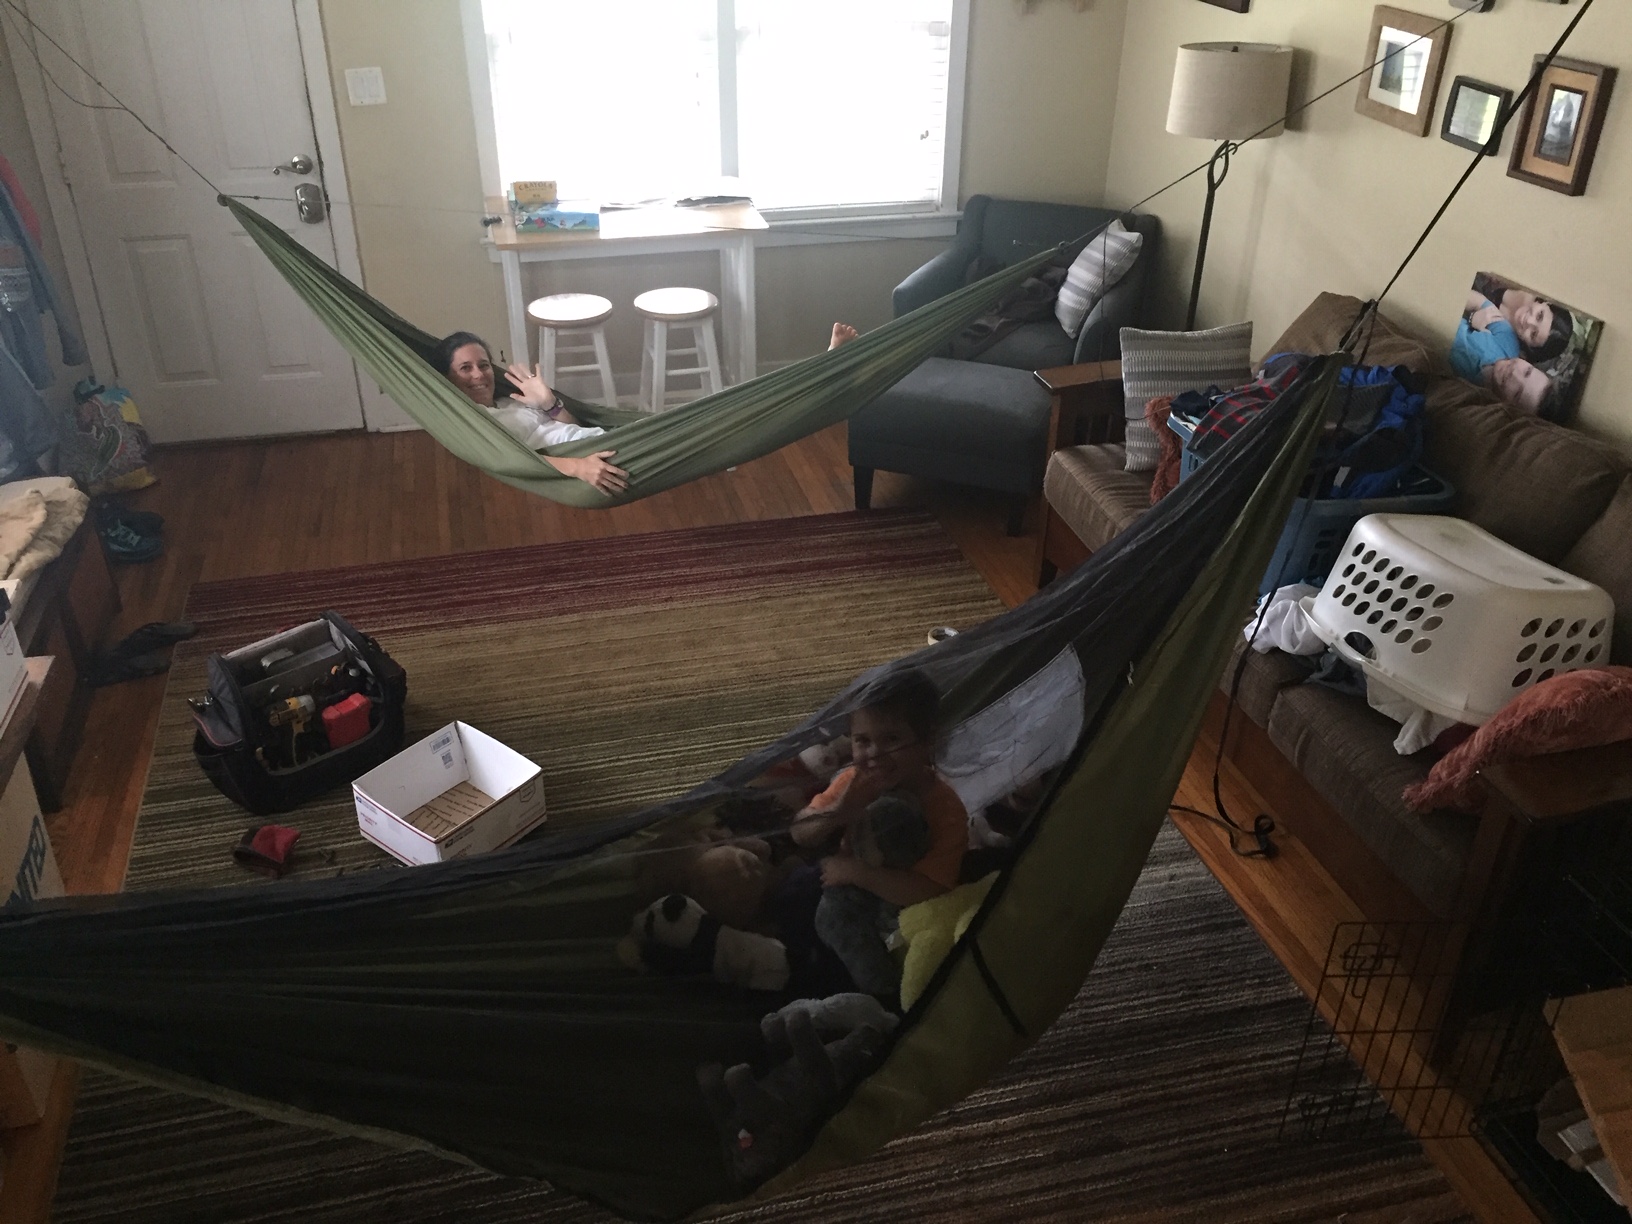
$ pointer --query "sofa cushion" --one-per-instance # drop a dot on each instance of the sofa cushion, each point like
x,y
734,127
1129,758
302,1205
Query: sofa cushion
x,y
1167,363
1094,272
1089,489
1321,327
1263,678
1032,346
960,421
1603,555
1345,750
1537,485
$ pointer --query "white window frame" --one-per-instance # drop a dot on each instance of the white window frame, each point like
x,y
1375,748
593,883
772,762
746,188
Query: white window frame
x,y
843,223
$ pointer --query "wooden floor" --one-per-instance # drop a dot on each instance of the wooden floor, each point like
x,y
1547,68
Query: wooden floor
x,y
255,508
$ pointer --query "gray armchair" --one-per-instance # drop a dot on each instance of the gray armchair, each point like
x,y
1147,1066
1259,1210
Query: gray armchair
x,y
985,422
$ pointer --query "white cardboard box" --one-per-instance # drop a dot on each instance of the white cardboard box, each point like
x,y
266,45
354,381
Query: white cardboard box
x,y
13,669
28,870
454,793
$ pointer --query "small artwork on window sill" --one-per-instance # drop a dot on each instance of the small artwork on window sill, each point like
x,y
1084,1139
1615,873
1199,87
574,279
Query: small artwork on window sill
x,y
1533,351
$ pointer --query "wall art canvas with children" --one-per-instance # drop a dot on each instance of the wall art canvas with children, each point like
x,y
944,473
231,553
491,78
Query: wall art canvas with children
x,y
1532,351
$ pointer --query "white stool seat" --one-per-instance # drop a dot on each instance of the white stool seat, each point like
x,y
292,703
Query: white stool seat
x,y
570,309
574,314
677,305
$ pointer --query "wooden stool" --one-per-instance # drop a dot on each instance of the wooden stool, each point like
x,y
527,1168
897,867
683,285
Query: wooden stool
x,y
665,308
563,315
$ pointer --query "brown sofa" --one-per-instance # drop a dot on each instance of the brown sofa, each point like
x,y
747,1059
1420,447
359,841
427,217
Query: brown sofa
x,y
1549,490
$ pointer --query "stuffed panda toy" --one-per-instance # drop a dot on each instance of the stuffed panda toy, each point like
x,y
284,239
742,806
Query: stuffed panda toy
x,y
677,936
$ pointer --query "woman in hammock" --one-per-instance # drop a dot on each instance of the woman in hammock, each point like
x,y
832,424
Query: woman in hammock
x,y
534,416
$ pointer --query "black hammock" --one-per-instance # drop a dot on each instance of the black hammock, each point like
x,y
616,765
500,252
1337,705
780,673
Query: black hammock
x,y
478,1008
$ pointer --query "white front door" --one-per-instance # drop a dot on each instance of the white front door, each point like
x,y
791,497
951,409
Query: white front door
x,y
202,331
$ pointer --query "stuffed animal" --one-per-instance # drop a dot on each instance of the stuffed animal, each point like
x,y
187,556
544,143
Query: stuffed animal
x,y
932,927
795,781
767,1123
677,936
825,760
733,881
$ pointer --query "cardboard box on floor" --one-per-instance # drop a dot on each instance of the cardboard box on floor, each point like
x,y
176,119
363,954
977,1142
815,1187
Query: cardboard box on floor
x,y
28,870
456,792
13,669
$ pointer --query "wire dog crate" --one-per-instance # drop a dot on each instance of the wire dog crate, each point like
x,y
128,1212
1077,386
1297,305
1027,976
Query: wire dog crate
x,y
1396,1032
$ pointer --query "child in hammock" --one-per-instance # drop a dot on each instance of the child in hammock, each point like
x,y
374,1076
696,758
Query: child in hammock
x,y
901,830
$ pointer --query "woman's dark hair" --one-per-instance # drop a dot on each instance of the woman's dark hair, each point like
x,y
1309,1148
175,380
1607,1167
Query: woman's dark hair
x,y
910,696
1558,339
442,354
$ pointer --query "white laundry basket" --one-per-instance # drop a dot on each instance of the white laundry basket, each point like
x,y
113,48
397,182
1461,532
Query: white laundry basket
x,y
1447,615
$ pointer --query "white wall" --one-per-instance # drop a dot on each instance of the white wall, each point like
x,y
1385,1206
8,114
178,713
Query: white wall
x,y
1337,203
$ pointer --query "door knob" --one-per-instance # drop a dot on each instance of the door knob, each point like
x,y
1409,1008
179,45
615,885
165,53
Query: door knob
x,y
298,164
310,204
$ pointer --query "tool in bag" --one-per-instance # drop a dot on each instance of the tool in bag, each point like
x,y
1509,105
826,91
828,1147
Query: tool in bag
x,y
265,735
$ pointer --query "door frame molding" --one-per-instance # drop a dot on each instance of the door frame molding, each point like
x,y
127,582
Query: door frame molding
x,y
64,211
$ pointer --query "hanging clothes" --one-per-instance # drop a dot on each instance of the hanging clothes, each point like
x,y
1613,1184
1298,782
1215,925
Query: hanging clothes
x,y
27,292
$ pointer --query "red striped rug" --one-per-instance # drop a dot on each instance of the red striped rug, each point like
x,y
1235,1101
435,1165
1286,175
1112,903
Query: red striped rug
x,y
630,668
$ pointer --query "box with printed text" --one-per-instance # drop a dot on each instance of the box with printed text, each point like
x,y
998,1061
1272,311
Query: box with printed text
x,y
454,793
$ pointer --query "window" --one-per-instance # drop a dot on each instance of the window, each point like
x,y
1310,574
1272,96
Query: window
x,y
841,106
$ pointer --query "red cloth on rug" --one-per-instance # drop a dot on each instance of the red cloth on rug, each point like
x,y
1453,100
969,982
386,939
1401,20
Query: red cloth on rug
x,y
1580,709
1167,467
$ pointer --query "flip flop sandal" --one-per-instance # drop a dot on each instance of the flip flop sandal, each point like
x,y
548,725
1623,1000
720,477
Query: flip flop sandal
x,y
127,546
142,522
151,637
117,671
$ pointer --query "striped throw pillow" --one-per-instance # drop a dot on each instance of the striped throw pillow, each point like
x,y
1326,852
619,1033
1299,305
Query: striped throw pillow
x,y
1094,273
1168,363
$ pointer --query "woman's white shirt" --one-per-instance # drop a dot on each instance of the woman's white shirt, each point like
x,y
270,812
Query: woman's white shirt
x,y
533,429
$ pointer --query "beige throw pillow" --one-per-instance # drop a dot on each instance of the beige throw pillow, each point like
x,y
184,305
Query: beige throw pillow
x,y
1170,363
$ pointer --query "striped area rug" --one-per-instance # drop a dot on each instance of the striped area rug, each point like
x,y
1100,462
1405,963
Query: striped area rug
x,y
631,668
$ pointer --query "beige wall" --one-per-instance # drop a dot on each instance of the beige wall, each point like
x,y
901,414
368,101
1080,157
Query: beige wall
x,y
18,147
1041,89
1337,204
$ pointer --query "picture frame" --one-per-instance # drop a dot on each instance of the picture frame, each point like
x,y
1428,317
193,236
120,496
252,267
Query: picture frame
x,y
1235,6
1474,115
1559,129
1405,55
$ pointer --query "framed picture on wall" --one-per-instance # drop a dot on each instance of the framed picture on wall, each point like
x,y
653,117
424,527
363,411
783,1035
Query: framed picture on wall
x,y
1405,54
1558,132
1235,6
1473,115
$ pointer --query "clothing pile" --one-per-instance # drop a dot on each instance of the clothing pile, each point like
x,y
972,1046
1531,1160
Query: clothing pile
x,y
1373,426
27,430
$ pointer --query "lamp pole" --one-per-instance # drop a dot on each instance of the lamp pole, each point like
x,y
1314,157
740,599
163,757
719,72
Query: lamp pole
x,y
1217,168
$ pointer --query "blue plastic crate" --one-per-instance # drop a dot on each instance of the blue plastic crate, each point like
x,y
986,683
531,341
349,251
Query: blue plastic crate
x,y
1316,527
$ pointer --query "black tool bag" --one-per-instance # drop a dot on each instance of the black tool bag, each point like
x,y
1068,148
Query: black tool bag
x,y
249,760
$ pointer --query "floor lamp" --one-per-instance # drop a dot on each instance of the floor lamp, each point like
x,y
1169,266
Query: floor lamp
x,y
1229,92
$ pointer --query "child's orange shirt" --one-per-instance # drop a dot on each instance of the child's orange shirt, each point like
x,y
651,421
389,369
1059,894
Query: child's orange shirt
x,y
943,812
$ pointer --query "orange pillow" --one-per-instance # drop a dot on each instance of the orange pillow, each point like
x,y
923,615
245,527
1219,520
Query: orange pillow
x,y
1580,709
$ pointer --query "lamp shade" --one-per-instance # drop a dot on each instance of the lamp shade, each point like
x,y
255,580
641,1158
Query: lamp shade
x,y
1230,90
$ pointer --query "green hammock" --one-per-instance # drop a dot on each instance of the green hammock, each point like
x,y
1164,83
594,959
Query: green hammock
x,y
659,451
478,1009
